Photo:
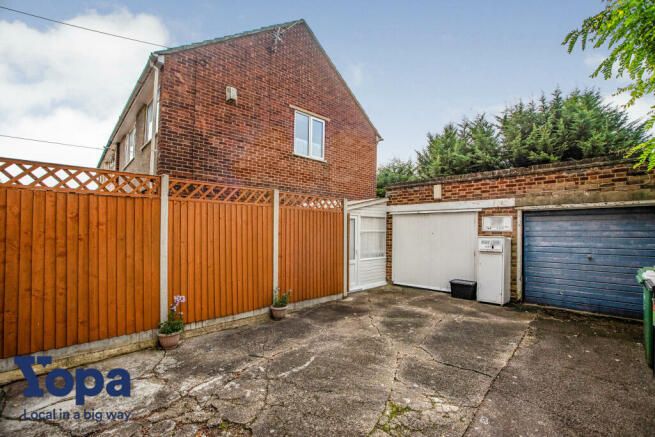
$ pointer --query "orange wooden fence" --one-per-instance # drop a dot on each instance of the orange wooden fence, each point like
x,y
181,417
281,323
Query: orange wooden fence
x,y
80,252
79,255
311,246
220,249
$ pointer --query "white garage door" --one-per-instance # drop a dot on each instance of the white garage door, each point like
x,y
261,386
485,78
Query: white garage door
x,y
431,249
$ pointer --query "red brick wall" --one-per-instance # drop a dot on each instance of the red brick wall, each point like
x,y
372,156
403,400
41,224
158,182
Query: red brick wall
x,y
587,181
251,143
584,178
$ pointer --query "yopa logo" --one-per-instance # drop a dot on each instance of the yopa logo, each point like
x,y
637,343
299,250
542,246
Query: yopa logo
x,y
118,386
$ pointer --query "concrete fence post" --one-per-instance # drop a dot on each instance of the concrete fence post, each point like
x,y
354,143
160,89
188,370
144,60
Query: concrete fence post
x,y
163,249
276,237
345,247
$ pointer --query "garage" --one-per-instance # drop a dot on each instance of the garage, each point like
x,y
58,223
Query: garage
x,y
587,259
431,248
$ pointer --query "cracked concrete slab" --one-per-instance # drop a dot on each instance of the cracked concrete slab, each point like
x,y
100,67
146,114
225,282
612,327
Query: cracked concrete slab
x,y
391,361
457,385
572,375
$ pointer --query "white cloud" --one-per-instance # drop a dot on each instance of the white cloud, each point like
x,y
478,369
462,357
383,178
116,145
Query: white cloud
x,y
639,111
69,85
593,60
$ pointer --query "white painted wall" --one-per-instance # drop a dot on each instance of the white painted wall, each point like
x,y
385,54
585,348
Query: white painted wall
x,y
372,273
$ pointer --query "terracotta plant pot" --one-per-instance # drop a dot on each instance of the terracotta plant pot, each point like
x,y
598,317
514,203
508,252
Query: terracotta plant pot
x,y
278,312
169,341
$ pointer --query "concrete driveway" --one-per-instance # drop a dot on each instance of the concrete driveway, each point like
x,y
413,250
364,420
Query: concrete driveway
x,y
391,361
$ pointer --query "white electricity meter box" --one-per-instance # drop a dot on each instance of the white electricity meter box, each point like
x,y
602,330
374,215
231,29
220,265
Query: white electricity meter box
x,y
494,269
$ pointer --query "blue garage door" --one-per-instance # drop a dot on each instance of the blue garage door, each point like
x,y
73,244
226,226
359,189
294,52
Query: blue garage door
x,y
587,259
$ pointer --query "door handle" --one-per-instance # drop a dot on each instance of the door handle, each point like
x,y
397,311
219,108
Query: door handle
x,y
589,257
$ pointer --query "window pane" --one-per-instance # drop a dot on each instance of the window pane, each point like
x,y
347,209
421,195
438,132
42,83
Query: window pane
x,y
156,115
317,138
149,122
373,223
301,134
129,146
372,244
351,240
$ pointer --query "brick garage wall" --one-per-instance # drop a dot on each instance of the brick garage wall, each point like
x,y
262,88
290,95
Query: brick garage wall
x,y
588,181
251,142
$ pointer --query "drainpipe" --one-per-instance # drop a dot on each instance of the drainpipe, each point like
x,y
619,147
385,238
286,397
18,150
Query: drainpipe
x,y
155,63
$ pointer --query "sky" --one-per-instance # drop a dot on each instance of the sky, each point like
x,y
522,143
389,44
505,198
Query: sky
x,y
414,66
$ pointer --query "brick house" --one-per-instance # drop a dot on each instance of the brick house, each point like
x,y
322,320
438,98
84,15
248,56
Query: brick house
x,y
579,231
264,108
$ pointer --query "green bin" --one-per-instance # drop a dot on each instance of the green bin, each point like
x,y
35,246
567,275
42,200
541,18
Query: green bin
x,y
648,314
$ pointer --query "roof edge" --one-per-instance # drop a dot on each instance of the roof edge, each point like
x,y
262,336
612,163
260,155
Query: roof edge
x,y
357,204
195,45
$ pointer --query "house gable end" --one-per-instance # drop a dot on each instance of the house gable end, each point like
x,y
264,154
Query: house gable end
x,y
250,141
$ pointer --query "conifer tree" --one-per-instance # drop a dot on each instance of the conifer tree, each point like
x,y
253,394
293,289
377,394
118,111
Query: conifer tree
x,y
551,129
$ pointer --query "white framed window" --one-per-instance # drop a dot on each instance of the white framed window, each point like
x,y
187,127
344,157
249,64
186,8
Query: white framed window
x,y
156,113
128,147
308,136
373,237
148,130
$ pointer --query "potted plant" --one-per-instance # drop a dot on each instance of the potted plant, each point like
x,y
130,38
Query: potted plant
x,y
169,331
280,302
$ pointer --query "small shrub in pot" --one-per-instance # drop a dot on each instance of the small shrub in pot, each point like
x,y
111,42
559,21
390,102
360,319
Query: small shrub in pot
x,y
280,302
169,331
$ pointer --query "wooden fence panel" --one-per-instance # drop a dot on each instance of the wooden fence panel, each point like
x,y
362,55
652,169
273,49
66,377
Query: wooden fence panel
x,y
57,273
212,251
220,248
58,279
310,246
62,231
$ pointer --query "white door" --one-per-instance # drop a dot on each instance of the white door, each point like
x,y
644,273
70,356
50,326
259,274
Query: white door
x,y
353,252
429,250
